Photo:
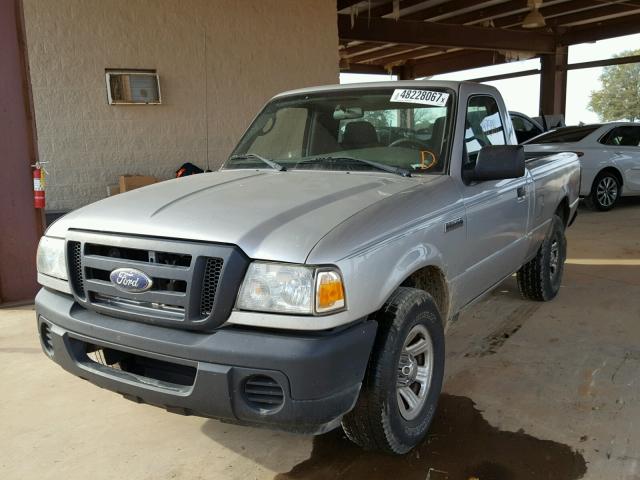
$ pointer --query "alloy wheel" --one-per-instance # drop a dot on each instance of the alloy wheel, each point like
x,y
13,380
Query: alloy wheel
x,y
607,191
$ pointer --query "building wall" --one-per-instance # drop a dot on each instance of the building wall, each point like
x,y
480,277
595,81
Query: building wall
x,y
248,49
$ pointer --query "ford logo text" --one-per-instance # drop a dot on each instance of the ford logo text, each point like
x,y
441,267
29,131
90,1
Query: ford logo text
x,y
130,280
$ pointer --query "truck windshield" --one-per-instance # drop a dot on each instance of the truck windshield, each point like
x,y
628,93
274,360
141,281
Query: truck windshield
x,y
403,130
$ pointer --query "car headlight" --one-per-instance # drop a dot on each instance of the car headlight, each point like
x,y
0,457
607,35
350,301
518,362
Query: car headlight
x,y
285,288
50,259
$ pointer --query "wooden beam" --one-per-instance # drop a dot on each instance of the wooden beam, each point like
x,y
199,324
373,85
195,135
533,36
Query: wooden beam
x,y
557,11
506,76
380,54
342,4
605,63
387,8
414,54
447,9
609,29
360,48
364,68
453,62
553,82
443,35
572,66
491,12
593,15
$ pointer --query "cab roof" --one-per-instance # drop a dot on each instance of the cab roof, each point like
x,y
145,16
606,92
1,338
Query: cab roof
x,y
450,84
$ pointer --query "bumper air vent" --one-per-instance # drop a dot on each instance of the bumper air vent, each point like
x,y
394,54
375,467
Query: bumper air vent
x,y
263,393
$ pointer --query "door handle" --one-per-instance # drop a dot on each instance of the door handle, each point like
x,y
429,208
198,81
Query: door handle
x,y
522,193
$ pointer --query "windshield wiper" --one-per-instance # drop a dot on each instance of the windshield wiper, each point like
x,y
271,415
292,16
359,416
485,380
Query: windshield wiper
x,y
380,166
271,163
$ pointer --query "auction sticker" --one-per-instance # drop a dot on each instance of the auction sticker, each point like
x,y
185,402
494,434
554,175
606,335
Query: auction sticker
x,y
424,97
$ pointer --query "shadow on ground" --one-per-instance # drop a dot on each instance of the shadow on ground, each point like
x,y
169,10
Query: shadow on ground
x,y
460,445
623,203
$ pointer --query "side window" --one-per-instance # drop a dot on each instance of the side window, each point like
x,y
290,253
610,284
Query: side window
x,y
524,128
623,136
483,125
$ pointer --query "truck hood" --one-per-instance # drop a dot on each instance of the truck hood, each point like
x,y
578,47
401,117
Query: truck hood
x,y
269,215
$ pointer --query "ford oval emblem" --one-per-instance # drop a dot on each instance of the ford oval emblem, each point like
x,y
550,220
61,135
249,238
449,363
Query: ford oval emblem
x,y
130,280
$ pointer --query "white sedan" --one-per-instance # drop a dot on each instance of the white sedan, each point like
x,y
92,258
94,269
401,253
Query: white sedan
x,y
609,156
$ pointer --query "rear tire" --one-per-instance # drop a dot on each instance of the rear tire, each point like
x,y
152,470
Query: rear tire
x,y
404,377
605,192
540,278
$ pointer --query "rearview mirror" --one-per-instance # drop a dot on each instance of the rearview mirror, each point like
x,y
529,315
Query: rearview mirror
x,y
496,162
348,113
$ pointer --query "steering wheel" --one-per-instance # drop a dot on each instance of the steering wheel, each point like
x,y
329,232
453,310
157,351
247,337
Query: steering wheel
x,y
409,143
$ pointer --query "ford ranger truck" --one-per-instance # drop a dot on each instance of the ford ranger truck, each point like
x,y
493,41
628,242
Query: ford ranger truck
x,y
307,284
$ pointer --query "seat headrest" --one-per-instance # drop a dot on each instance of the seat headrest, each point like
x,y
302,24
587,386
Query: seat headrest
x,y
437,133
360,134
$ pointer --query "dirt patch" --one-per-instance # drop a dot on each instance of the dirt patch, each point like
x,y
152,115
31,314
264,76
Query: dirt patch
x,y
460,445
496,339
20,350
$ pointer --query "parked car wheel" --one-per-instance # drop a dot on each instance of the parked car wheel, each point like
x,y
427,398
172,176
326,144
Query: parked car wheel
x,y
404,378
604,192
540,278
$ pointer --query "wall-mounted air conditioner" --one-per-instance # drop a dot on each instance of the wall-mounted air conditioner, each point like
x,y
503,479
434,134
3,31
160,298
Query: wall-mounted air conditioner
x,y
133,87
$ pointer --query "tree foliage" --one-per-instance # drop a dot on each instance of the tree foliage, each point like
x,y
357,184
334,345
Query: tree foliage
x,y
619,97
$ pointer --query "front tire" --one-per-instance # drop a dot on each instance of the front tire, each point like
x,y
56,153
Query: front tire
x,y
403,381
540,278
605,192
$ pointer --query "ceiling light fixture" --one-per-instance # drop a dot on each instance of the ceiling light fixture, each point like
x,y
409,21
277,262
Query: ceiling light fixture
x,y
534,18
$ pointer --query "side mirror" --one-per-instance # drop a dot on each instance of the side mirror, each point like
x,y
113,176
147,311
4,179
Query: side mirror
x,y
497,162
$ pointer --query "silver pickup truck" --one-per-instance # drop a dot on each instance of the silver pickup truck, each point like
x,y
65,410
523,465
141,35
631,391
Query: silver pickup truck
x,y
309,281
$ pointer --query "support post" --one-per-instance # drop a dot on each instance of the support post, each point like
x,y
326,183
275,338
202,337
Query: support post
x,y
553,81
403,73
20,223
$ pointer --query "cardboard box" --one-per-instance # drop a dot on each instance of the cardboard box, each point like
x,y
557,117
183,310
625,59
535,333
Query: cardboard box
x,y
131,182
113,190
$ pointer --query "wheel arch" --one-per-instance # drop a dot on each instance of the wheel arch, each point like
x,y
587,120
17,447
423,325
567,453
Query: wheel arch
x,y
432,279
564,211
609,169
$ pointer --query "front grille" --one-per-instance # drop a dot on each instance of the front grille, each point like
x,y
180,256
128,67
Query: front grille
x,y
210,285
263,392
74,250
187,288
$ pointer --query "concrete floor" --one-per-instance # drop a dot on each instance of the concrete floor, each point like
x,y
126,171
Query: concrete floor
x,y
533,391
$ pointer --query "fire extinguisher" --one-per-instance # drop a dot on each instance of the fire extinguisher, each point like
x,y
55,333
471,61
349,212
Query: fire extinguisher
x,y
38,185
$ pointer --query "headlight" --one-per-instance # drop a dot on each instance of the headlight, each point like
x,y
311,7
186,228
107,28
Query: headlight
x,y
50,259
284,288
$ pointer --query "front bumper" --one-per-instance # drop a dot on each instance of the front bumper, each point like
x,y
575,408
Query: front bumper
x,y
208,374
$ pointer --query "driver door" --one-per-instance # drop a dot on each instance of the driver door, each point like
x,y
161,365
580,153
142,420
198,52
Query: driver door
x,y
497,210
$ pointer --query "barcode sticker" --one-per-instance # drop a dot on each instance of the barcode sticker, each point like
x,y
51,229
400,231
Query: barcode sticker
x,y
424,97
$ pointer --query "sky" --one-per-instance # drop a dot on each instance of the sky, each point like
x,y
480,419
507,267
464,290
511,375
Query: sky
x,y
522,94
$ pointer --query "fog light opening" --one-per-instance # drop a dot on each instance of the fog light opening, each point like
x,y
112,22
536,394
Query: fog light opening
x,y
46,338
263,393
